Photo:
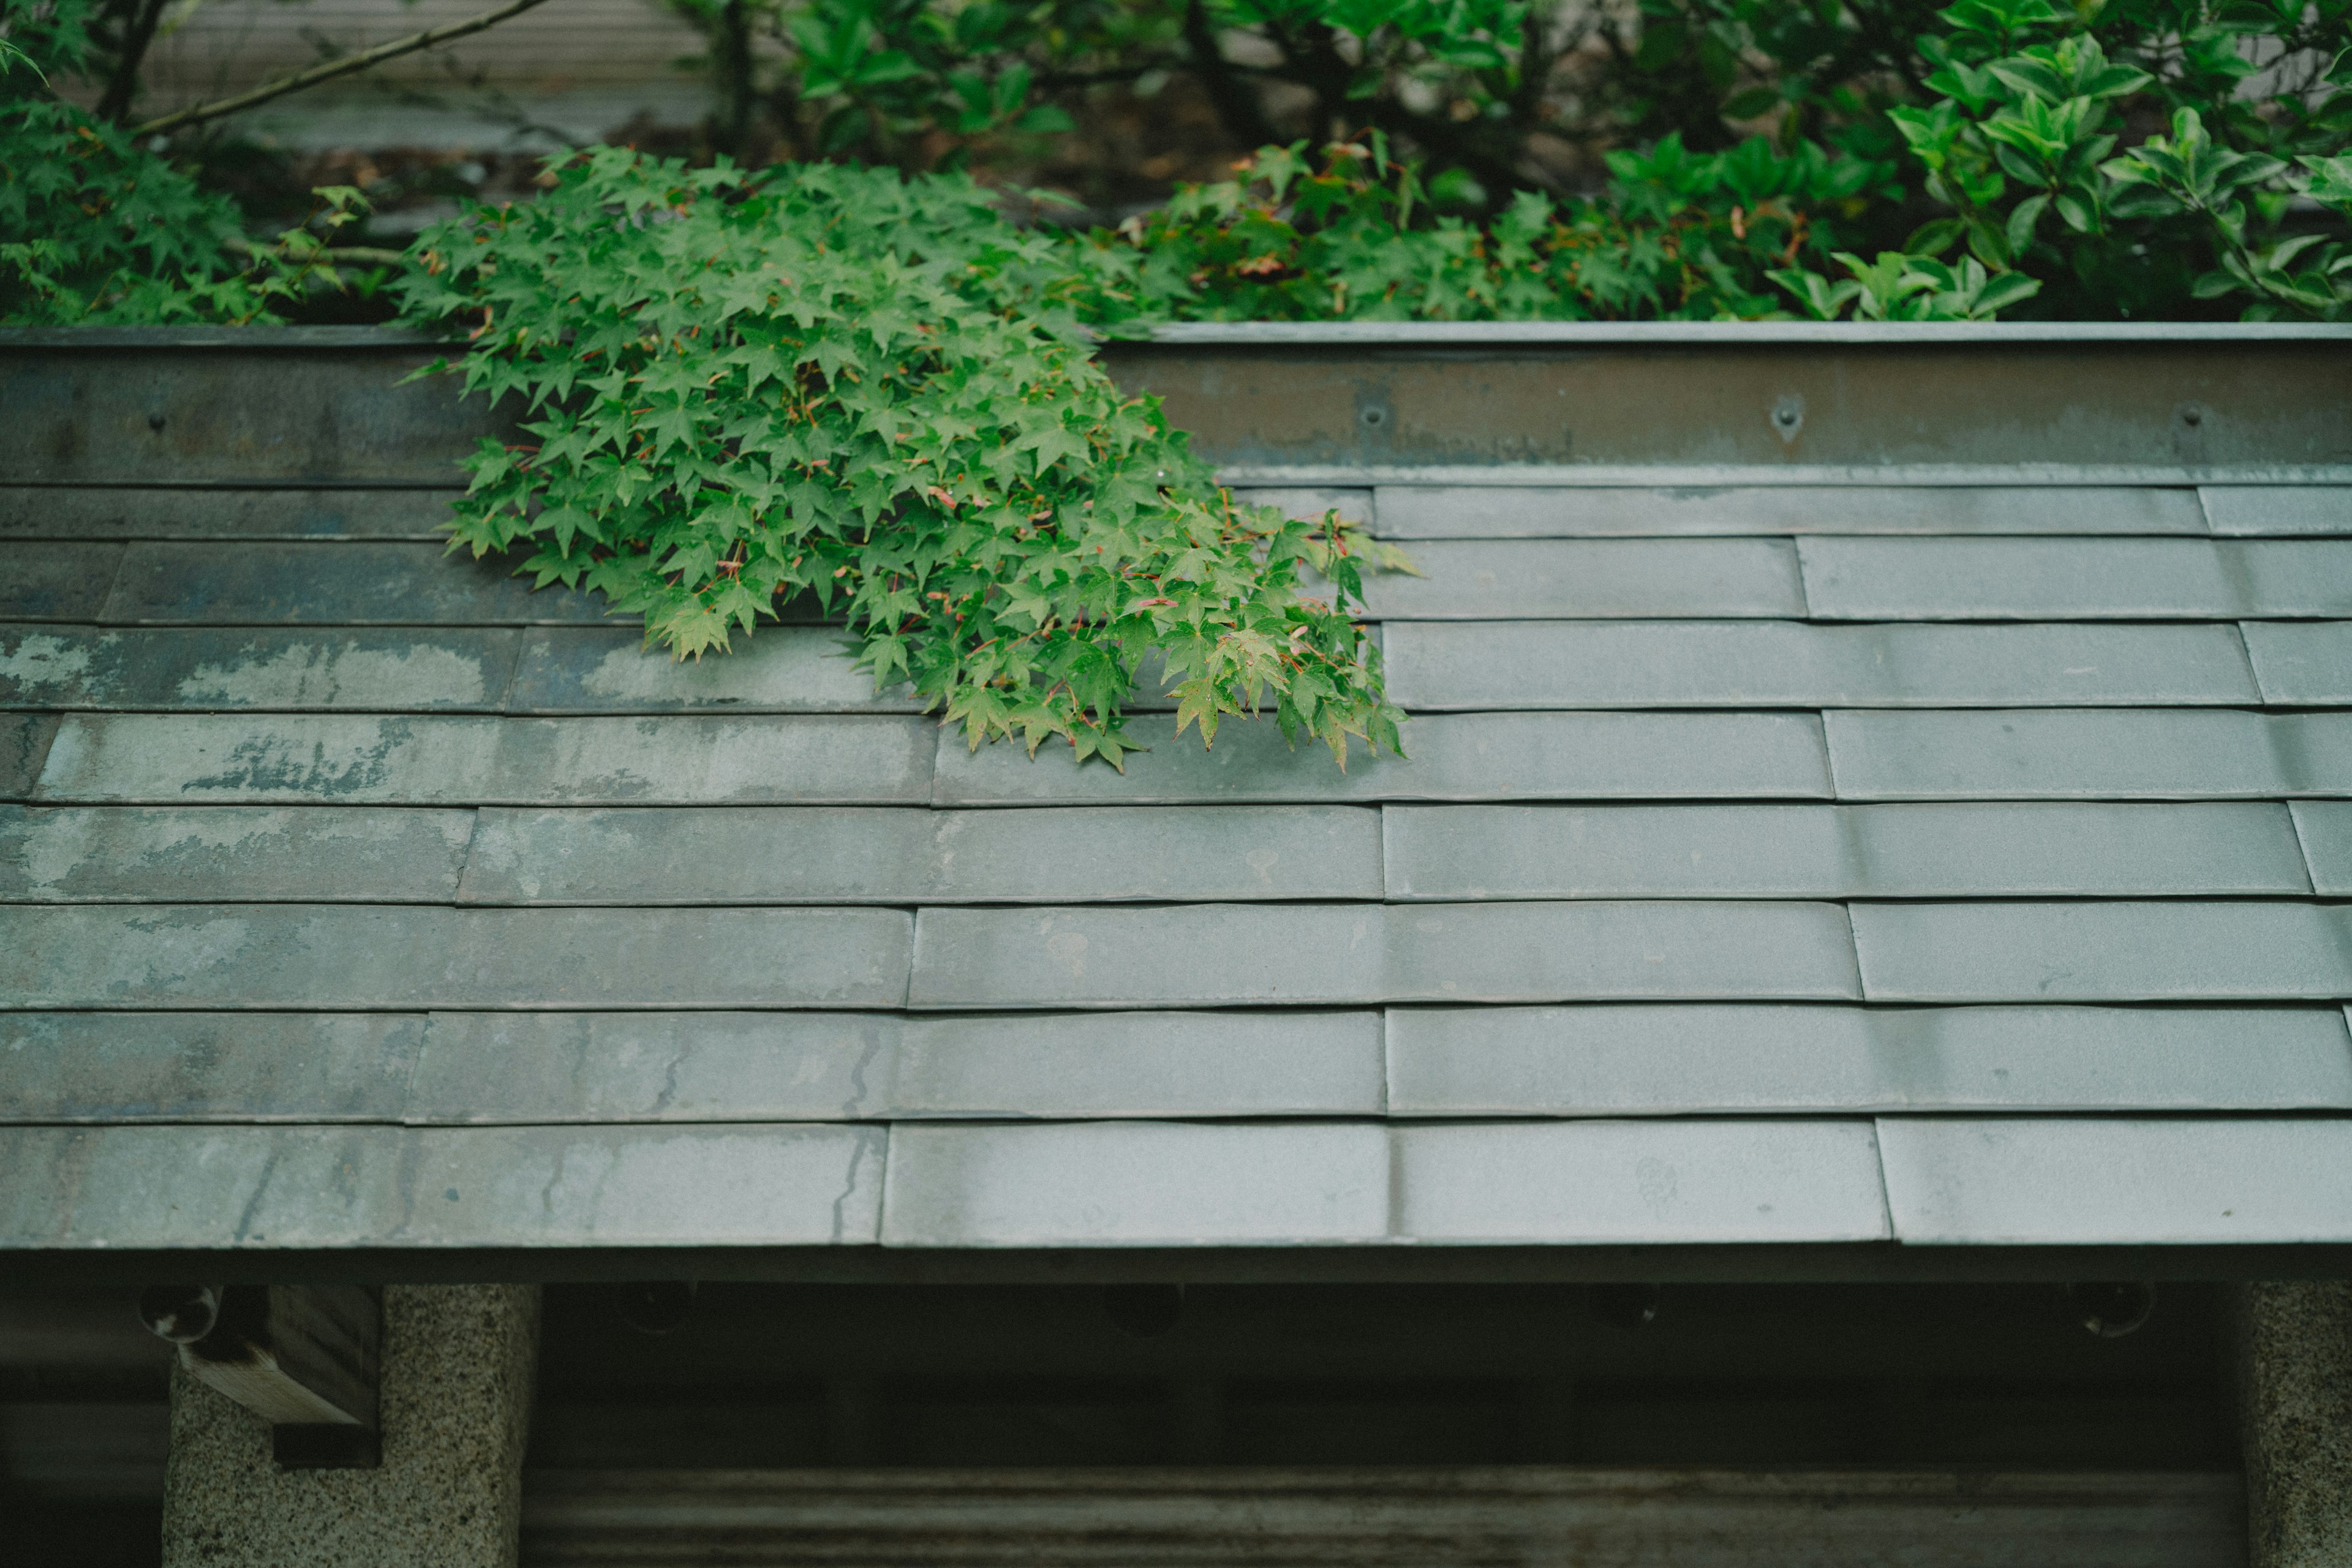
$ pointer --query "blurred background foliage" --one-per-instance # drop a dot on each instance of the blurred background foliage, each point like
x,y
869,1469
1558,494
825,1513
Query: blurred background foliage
x,y
1618,158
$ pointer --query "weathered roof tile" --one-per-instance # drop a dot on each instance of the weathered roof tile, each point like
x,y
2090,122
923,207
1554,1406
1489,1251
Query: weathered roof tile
x,y
1780,664
1654,1182
207,669
1137,1184
1924,850
1520,511
895,856
1780,1059
2054,1181
199,854
1590,579
2278,508
272,956
131,758
2186,951
267,1188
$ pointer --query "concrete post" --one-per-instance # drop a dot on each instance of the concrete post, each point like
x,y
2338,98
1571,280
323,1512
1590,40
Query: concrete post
x,y
2295,1381
458,1369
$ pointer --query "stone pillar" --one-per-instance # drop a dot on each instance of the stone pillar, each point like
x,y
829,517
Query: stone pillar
x,y
2295,1404
458,1362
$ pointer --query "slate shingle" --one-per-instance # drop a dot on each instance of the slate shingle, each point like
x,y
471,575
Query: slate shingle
x,y
2054,1181
2186,951
1339,954
1519,511
1651,1182
208,670
1779,1059
431,759
2088,754
203,853
857,855
248,1189
1779,664
336,957
2246,510
52,512
1926,850
1590,579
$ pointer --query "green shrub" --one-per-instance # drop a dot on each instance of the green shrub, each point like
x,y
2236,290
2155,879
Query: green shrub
x,y
97,229
823,385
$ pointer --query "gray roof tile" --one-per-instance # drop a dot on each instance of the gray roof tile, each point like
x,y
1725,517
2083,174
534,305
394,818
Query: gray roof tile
x,y
1093,1065
1776,1059
255,1188
1991,849
1590,578
2278,508
733,1066
699,1066
271,956
210,670
336,583
432,760
2049,1181
1570,951
1199,954
1225,955
2118,952
57,581
206,854
846,855
1780,664
2299,665
232,757
1470,756
1653,1181
2073,579
1813,851
1507,511
199,1067
2325,828
2060,754
49,511
778,669
1137,1184
25,740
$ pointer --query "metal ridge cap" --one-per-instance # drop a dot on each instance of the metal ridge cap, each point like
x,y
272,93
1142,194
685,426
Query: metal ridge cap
x,y
1341,334
1669,474
1365,335
220,337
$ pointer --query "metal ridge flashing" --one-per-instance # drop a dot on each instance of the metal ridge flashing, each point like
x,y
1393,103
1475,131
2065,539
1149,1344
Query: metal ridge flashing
x,y
1640,334
1348,335
257,338
1669,475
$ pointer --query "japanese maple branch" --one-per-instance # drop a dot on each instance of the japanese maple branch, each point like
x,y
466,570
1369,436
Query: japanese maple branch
x,y
330,70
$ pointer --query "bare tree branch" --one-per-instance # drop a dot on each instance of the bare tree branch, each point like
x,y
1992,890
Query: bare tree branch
x,y
138,32
333,69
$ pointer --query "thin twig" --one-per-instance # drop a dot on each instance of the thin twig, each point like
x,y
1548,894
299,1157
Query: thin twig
x,y
330,256
333,69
